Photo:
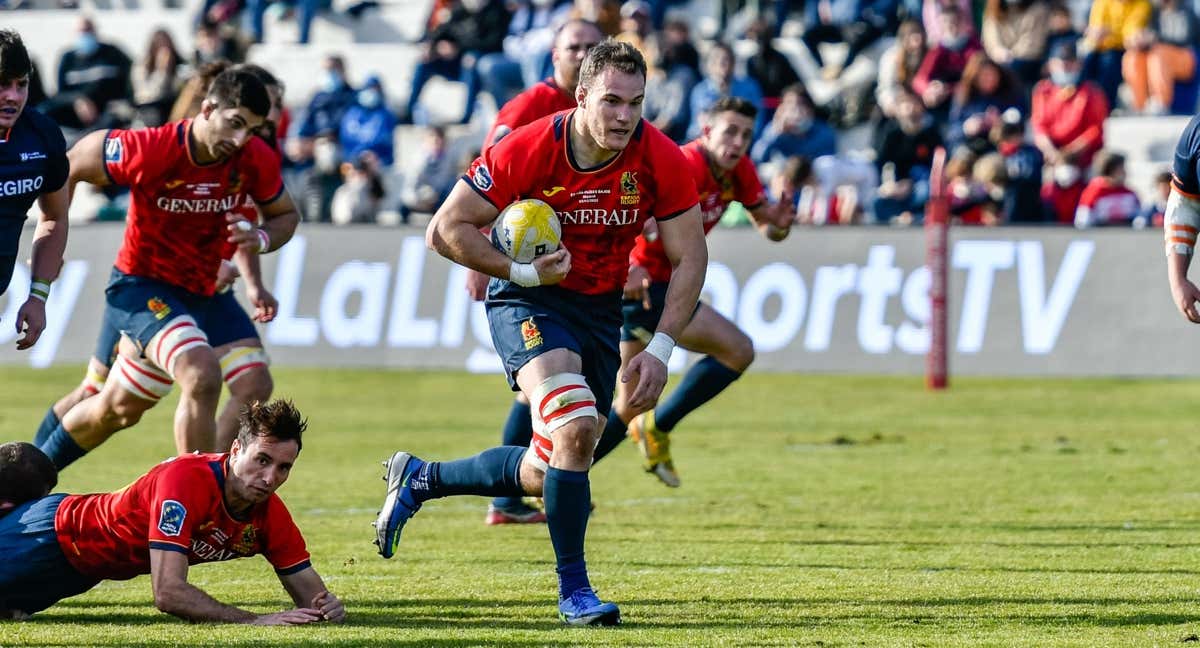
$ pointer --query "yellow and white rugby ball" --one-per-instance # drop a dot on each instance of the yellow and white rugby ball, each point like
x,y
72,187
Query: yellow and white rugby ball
x,y
527,229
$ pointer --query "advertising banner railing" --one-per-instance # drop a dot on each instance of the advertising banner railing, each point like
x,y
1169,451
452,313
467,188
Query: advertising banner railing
x,y
1022,301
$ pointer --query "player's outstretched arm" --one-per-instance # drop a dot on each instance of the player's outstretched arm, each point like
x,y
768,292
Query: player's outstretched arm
x,y
49,244
250,268
87,162
175,596
773,220
454,232
683,241
307,589
1183,292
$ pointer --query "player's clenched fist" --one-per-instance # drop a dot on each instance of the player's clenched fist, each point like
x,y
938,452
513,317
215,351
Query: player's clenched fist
x,y
553,267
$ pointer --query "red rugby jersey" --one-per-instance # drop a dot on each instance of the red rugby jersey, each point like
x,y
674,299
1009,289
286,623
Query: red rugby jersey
x,y
716,192
176,228
601,209
545,98
178,506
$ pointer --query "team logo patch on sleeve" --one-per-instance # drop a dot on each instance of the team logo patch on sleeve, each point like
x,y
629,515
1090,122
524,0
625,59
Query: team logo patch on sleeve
x,y
170,521
113,150
482,178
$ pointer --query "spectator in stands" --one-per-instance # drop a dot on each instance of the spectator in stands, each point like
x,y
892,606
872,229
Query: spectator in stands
x,y
857,23
473,29
905,147
431,177
605,13
945,63
1160,56
94,88
361,193
156,80
213,43
899,64
368,125
1068,114
637,30
1061,194
1155,209
1111,25
323,115
931,18
669,89
986,92
306,10
531,36
794,130
1014,35
1023,174
1106,201
769,67
187,104
1062,28
720,81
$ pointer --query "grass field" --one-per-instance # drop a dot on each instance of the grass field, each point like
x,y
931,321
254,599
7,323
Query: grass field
x,y
815,511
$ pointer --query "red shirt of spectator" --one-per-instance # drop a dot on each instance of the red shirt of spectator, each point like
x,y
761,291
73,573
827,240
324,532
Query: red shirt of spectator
x,y
944,64
1105,202
1066,114
1062,201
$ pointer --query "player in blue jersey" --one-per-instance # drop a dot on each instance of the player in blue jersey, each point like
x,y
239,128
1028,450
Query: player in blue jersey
x,y
1181,222
33,166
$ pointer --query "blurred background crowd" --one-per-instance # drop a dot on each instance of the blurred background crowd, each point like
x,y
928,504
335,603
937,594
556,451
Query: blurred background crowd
x,y
387,101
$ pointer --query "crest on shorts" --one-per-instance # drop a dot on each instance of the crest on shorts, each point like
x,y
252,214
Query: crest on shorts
x,y
530,334
629,188
158,307
170,519
245,544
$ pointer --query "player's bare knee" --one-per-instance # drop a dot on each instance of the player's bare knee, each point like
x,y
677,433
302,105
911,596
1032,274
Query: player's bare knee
x,y
198,373
740,354
254,385
576,441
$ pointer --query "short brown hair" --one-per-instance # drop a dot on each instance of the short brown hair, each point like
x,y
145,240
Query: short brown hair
x,y
278,419
610,53
733,104
26,473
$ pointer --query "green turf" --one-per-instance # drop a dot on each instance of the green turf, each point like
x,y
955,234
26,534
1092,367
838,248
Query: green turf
x,y
815,511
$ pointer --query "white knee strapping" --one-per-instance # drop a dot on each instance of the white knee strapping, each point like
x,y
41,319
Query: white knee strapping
x,y
240,360
559,400
1181,221
141,378
180,335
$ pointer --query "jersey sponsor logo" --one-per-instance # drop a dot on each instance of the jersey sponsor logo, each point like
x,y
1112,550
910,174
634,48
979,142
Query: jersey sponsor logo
x,y
530,334
22,186
158,307
613,218
482,178
32,155
170,520
113,150
629,188
553,190
198,205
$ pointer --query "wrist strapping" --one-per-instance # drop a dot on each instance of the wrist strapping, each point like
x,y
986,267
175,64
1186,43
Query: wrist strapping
x,y
264,241
524,275
1181,222
40,289
661,346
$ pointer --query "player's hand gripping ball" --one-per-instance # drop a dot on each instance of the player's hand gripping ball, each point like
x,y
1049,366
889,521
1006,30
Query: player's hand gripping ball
x,y
527,229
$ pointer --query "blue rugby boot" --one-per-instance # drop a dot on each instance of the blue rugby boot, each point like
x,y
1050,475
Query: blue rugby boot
x,y
400,503
583,607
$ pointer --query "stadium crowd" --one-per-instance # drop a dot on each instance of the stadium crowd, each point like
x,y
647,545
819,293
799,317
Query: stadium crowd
x,y
1017,91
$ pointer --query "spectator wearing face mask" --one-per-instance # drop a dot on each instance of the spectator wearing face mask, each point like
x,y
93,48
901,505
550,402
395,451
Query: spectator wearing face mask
x,y
94,84
944,63
322,117
368,125
794,130
1068,114
1061,194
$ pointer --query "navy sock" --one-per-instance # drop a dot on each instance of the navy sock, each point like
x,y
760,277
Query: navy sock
x,y
61,448
700,384
495,471
46,428
568,496
614,433
518,431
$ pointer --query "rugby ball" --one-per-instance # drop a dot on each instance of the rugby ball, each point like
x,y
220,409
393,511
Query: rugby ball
x,y
527,229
